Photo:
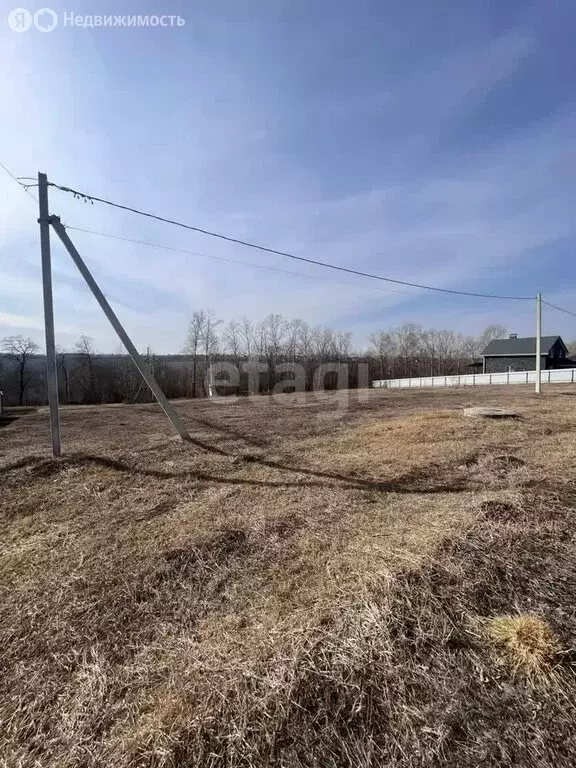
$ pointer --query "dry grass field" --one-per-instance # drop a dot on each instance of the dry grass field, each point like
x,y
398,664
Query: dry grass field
x,y
342,579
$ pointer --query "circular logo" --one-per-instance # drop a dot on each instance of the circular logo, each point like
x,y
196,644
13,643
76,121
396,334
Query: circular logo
x,y
20,19
45,20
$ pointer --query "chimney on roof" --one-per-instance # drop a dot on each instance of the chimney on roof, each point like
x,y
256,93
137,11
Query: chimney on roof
x,y
513,336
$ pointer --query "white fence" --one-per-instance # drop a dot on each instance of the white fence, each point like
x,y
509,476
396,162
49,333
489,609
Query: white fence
x,y
561,375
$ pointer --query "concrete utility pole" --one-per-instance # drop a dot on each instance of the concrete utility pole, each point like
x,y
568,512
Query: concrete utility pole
x,y
51,367
117,325
538,343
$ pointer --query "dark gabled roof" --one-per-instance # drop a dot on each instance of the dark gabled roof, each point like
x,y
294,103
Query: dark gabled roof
x,y
524,346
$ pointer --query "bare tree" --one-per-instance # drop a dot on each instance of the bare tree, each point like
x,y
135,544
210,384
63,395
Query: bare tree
x,y
192,344
323,343
85,371
202,339
209,338
260,339
63,361
413,350
293,329
20,349
305,339
231,339
443,347
490,333
411,346
469,346
378,347
273,328
343,340
246,334
392,344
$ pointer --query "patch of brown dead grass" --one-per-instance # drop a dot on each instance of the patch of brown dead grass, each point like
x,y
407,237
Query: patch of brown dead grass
x,y
170,607
526,641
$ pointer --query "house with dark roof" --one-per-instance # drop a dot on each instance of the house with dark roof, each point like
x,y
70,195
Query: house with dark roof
x,y
519,354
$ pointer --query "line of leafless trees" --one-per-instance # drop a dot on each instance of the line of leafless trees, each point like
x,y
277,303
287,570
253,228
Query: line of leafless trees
x,y
411,350
86,376
272,341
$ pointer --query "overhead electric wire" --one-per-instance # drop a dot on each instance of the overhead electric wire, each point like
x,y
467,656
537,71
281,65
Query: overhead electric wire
x,y
560,309
286,254
17,180
230,260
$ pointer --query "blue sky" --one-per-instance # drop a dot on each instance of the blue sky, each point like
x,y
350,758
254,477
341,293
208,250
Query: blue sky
x,y
432,142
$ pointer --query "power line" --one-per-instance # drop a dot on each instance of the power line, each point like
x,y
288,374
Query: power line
x,y
229,260
17,180
560,309
248,244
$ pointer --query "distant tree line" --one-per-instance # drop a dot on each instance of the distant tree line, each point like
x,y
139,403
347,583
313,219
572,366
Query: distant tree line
x,y
272,344
411,350
84,375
